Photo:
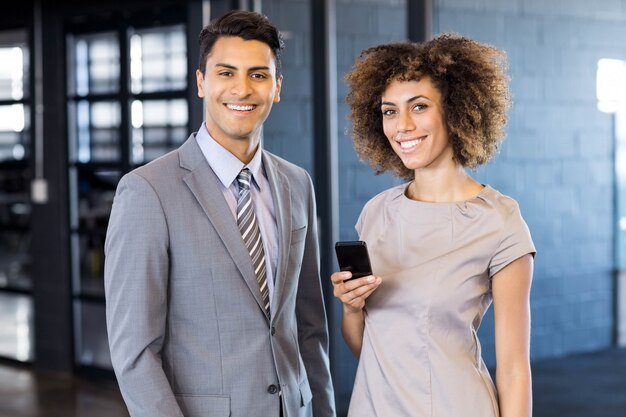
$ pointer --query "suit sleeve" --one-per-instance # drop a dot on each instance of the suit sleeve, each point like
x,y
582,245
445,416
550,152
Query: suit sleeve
x,y
136,280
312,326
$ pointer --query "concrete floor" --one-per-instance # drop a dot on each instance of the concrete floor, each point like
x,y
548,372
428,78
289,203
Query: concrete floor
x,y
26,393
585,385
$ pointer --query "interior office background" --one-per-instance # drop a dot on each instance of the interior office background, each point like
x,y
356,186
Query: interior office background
x,y
90,90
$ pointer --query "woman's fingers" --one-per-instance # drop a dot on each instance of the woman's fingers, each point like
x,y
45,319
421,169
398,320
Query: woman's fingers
x,y
360,287
353,293
339,277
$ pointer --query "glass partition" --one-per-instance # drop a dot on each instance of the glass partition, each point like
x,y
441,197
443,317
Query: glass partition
x,y
94,63
94,131
158,126
14,55
16,304
158,59
16,327
127,105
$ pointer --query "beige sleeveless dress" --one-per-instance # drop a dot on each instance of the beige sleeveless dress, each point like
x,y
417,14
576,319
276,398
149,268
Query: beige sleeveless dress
x,y
420,354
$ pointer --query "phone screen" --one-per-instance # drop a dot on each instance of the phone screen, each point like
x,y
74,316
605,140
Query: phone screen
x,y
353,256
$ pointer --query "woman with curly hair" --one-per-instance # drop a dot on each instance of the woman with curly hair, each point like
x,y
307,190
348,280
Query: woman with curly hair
x,y
442,246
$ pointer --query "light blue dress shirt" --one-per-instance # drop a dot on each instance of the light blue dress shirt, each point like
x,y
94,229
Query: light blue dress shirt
x,y
226,166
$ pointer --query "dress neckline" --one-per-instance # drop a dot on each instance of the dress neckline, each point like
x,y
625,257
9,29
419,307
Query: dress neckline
x,y
401,194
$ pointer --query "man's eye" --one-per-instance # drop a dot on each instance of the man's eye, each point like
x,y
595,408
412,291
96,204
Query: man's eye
x,y
259,76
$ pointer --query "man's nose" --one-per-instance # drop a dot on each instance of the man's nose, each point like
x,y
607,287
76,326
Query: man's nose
x,y
241,86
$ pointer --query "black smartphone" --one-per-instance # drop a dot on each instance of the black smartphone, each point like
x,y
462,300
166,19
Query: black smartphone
x,y
353,256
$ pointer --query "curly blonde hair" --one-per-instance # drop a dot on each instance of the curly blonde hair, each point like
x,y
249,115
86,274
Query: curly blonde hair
x,y
473,83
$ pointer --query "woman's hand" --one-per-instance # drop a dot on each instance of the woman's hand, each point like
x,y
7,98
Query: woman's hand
x,y
353,293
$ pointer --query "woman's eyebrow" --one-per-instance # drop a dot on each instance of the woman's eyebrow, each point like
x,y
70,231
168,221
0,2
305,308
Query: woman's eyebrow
x,y
389,103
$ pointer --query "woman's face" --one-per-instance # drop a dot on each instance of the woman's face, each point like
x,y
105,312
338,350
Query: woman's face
x,y
413,122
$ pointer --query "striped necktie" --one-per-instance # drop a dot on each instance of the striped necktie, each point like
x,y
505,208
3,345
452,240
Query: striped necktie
x,y
249,228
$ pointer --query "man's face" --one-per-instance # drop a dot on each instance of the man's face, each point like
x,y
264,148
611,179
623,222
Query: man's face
x,y
239,87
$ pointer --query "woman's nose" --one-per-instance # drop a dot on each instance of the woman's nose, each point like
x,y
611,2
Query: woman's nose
x,y
405,122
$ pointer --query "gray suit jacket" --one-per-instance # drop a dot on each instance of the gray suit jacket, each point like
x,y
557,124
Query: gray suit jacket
x,y
187,330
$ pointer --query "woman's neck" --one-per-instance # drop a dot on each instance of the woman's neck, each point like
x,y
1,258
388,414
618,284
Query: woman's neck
x,y
443,185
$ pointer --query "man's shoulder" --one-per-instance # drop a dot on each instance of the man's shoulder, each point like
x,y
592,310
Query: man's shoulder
x,y
161,167
289,169
169,164
283,163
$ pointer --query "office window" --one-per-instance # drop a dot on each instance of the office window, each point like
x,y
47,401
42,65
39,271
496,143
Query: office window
x,y
127,105
158,60
95,61
16,304
94,131
157,126
14,91
16,326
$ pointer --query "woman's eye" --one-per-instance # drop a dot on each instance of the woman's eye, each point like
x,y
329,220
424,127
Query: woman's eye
x,y
388,112
419,107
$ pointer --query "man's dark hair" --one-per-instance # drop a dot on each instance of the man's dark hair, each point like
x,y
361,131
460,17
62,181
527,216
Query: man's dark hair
x,y
246,25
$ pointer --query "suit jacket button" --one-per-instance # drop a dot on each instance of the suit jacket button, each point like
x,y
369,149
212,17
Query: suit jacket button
x,y
273,332
272,389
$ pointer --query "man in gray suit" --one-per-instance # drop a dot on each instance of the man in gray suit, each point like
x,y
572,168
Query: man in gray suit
x,y
214,302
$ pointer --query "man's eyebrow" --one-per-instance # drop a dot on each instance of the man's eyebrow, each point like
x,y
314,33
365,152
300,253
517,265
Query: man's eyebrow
x,y
232,67
259,68
226,66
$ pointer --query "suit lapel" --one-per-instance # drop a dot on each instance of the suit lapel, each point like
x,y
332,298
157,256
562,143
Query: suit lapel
x,y
204,185
279,185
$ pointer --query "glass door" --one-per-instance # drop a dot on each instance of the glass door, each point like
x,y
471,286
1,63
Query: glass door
x,y
16,301
127,105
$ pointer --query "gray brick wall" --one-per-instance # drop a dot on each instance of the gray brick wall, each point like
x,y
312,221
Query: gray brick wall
x,y
360,24
557,160
288,131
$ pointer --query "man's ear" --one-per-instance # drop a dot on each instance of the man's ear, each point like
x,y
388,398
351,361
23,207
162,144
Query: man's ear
x,y
279,83
200,83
